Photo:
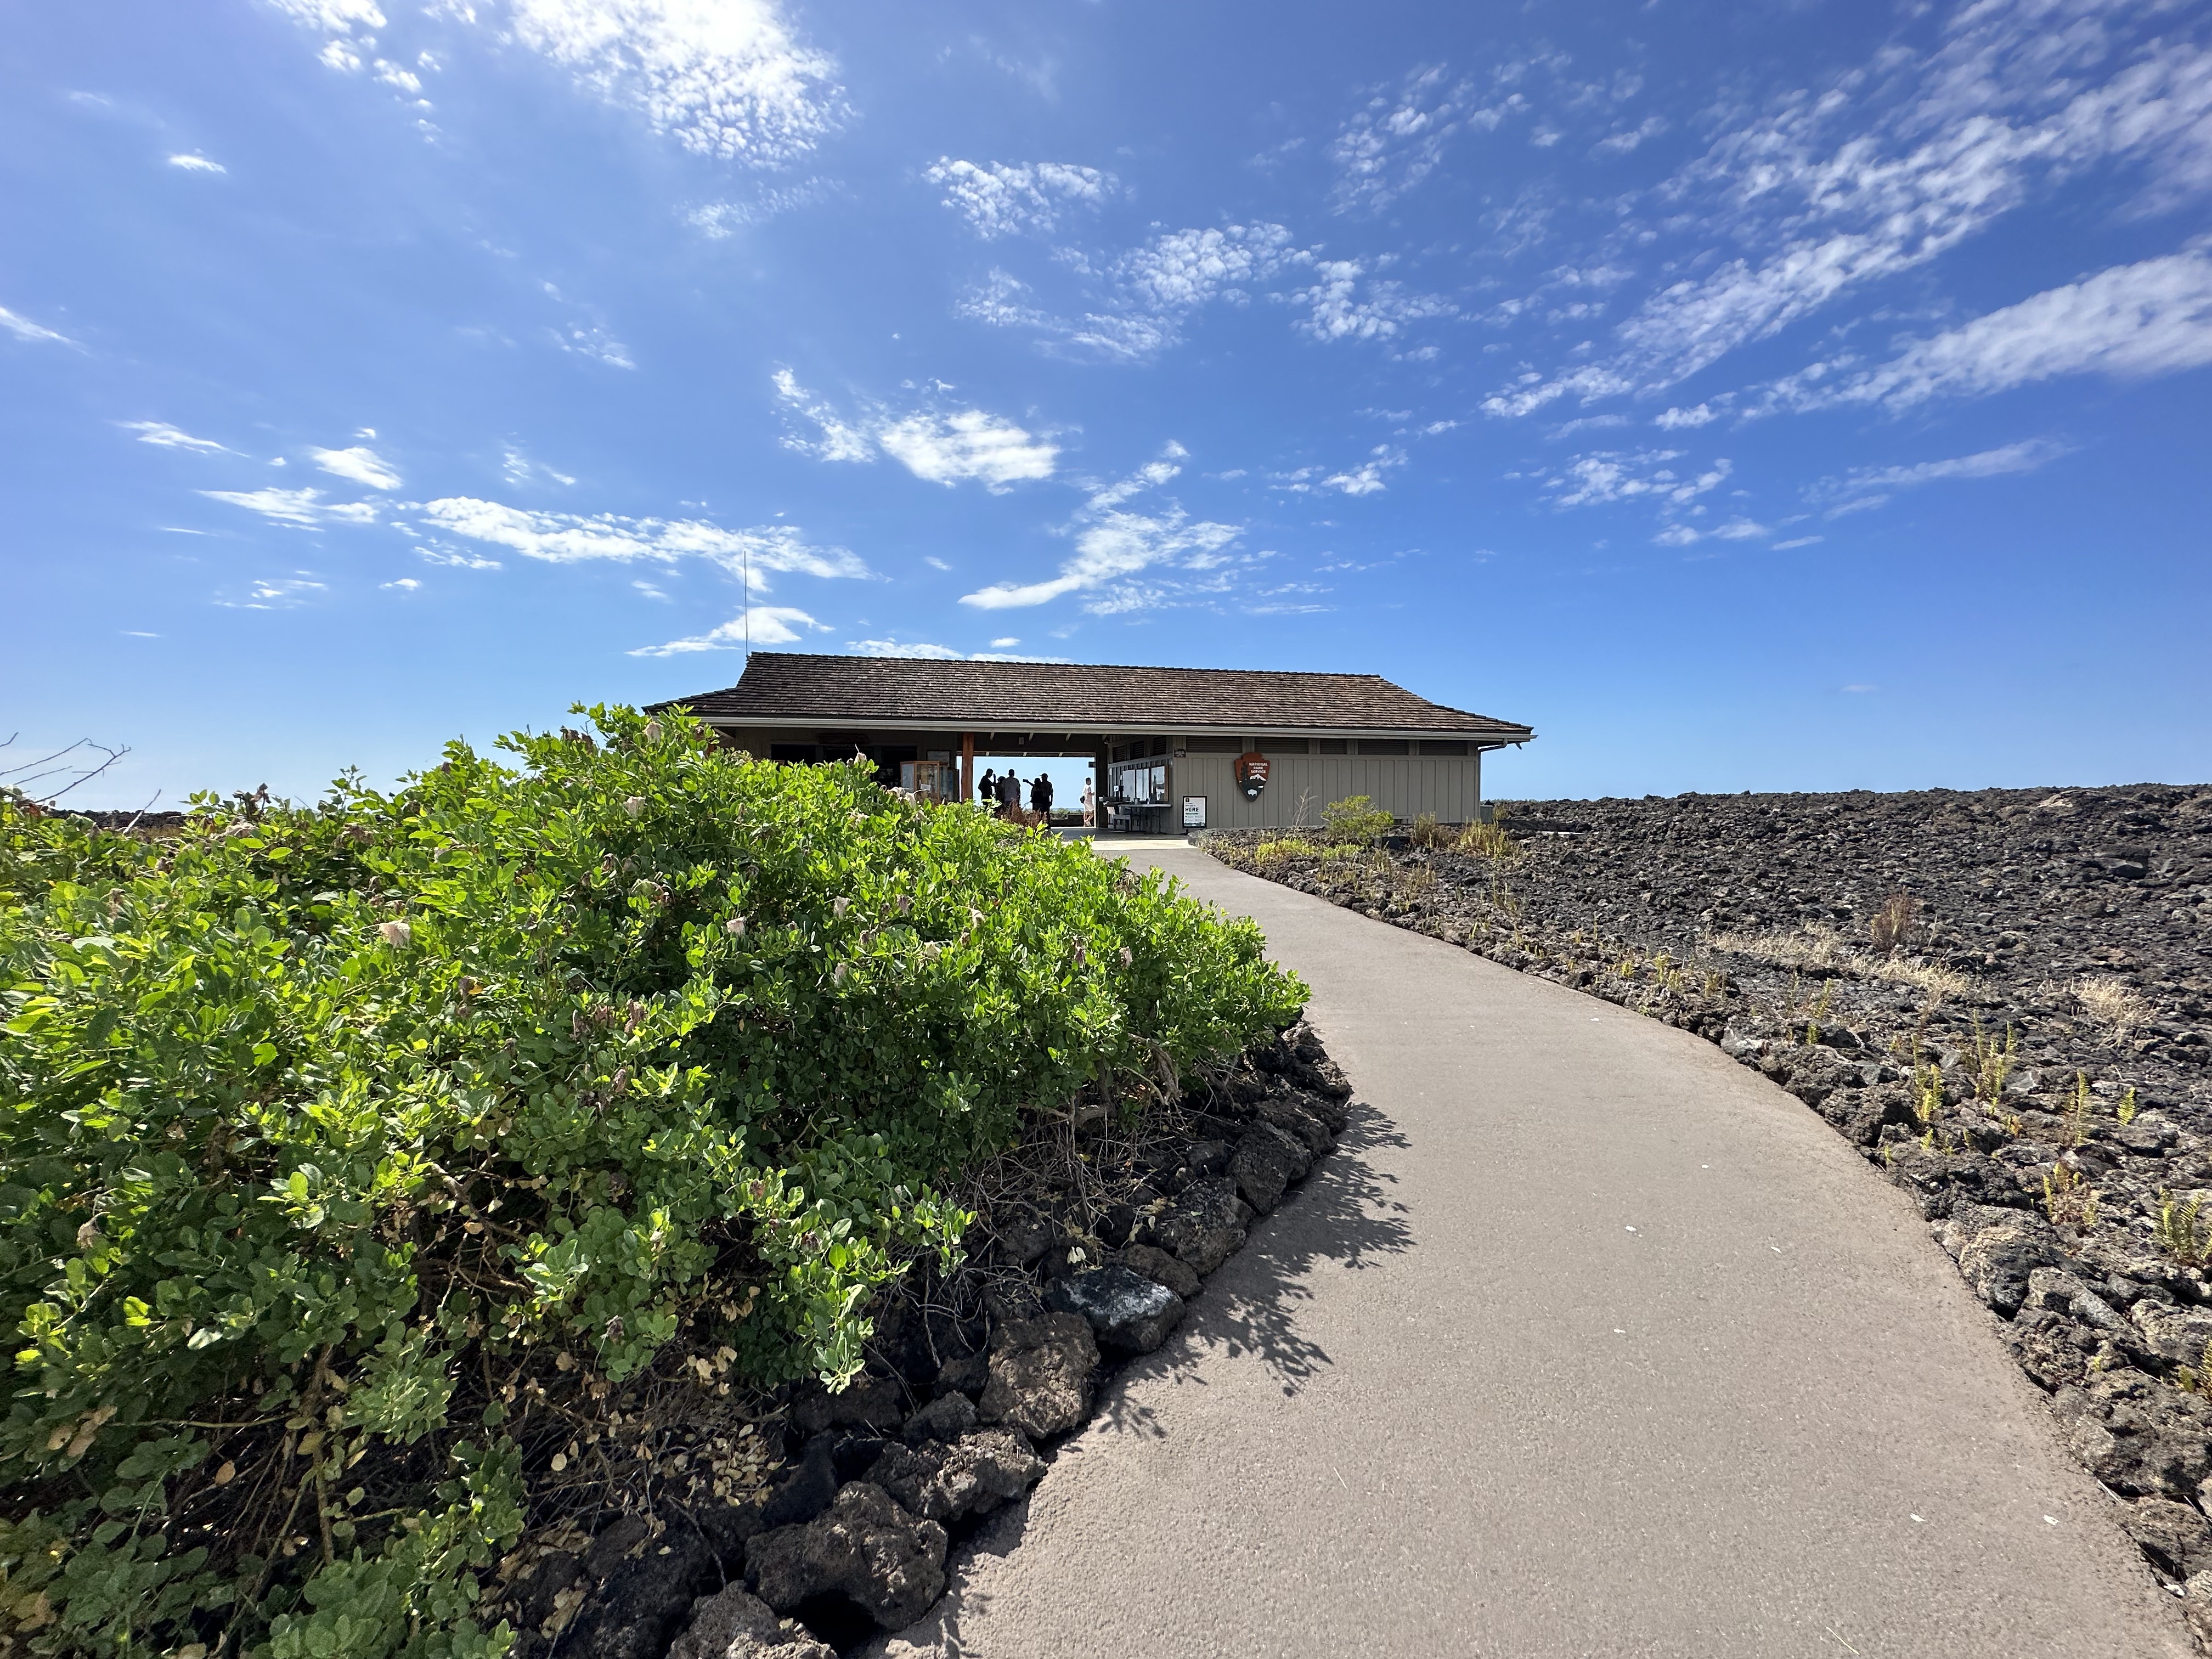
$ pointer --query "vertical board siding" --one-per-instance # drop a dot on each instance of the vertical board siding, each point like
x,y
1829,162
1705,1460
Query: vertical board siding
x,y
1404,784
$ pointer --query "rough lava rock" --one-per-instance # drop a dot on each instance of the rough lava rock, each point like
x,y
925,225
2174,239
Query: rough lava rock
x,y
1205,1226
736,1624
636,1610
806,1491
1128,1313
1040,1375
973,1476
1996,1250
1157,1265
2174,1535
946,1418
864,1547
1266,1161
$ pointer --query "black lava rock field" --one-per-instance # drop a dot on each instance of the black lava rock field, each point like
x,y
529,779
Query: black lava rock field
x,y
2003,998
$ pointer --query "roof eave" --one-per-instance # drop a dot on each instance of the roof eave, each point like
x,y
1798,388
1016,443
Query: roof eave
x,y
1489,736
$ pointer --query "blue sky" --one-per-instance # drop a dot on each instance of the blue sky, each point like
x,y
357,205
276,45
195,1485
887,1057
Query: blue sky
x,y
1801,396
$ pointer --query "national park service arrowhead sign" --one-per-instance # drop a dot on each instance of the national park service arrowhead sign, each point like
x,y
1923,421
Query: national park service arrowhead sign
x,y
1252,773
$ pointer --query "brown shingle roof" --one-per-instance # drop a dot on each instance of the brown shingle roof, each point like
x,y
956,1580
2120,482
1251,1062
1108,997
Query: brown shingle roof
x,y
787,686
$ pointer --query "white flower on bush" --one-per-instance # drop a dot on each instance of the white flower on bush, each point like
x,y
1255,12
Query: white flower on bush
x,y
1127,961
839,906
837,974
930,951
634,806
653,730
395,932
735,926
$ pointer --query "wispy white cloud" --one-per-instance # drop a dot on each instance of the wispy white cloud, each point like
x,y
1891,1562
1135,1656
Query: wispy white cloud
x,y
164,436
440,553
726,78
925,651
945,447
1337,311
1734,530
1000,198
1630,475
839,440
569,538
2127,322
1629,138
1143,294
1114,546
767,624
1178,271
1365,479
358,463
517,467
730,79
1398,137
594,341
302,509
1002,300
193,162
1894,165
1796,541
2024,456
334,17
967,444
24,329
404,585
277,593
1142,297
719,221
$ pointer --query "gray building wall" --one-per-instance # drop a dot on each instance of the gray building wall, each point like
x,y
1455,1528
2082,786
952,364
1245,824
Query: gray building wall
x,y
1406,785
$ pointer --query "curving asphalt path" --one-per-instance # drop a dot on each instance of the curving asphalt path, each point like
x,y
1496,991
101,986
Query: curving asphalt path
x,y
1589,1342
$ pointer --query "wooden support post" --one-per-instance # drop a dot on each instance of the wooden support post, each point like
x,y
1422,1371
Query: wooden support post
x,y
967,766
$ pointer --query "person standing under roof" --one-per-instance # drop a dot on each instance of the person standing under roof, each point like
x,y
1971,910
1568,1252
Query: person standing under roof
x,y
1040,796
987,788
1009,795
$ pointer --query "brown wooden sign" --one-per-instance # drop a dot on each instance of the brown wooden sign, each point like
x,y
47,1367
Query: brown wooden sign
x,y
1252,773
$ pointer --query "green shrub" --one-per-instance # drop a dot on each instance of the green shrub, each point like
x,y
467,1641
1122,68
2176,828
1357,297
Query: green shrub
x,y
313,1118
1356,821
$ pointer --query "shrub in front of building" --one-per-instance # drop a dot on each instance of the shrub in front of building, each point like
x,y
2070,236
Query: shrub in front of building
x,y
324,1128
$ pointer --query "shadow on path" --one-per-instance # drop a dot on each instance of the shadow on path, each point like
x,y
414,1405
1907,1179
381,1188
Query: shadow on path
x,y
1343,1214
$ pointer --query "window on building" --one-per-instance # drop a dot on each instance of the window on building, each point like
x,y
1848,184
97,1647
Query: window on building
x,y
1439,747
1332,746
1383,745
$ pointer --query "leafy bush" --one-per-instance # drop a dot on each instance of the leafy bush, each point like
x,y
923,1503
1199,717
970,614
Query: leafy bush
x,y
314,1118
1356,821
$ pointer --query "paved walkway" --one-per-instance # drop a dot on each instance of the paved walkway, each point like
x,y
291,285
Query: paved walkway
x,y
1589,1342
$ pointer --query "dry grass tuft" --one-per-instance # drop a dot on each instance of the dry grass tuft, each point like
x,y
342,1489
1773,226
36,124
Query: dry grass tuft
x,y
1815,947
1895,924
1488,840
1822,949
2114,1003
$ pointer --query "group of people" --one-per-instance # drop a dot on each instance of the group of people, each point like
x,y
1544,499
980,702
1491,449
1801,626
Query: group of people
x,y
1004,790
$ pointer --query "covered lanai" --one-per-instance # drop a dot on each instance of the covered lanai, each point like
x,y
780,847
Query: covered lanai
x,y
1173,748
